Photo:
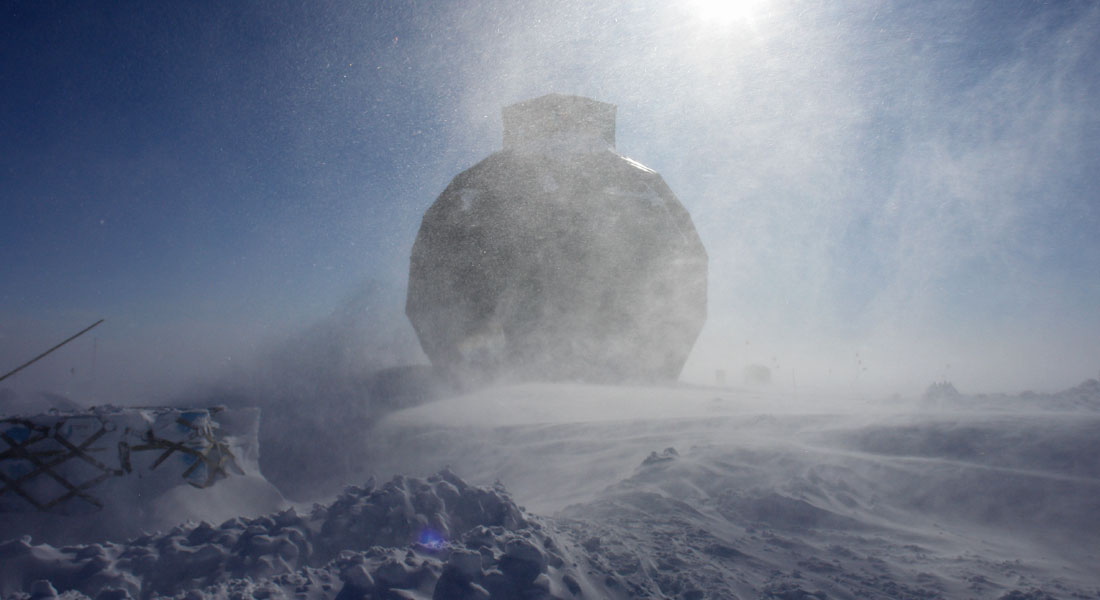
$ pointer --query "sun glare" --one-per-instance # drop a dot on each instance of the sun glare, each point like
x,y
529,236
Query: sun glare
x,y
726,12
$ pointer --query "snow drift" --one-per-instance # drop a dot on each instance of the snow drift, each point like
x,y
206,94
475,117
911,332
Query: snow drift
x,y
648,492
418,537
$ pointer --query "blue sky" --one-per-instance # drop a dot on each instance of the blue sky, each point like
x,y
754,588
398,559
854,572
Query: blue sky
x,y
914,184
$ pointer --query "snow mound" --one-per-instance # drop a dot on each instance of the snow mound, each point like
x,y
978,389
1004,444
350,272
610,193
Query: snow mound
x,y
419,538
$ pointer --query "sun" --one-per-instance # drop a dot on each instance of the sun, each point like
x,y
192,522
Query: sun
x,y
726,12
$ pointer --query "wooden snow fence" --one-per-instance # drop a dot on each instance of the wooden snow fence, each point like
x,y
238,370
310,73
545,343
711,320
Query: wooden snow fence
x,y
72,463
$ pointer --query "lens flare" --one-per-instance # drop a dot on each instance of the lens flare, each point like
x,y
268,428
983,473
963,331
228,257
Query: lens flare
x,y
430,538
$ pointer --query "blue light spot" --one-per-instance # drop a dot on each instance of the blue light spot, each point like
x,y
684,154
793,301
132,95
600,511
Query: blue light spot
x,y
431,538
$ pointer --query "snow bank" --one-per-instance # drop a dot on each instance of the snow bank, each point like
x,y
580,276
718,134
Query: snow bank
x,y
420,538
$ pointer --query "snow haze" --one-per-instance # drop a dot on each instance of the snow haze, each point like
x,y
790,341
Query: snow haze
x,y
894,393
888,195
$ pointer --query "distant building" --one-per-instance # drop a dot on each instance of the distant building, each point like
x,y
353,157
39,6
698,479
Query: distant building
x,y
757,375
557,258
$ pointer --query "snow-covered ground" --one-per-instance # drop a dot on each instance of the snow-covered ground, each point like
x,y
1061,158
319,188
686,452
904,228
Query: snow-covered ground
x,y
679,492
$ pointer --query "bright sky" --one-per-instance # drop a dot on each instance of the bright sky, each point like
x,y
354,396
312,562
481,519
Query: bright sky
x,y
890,193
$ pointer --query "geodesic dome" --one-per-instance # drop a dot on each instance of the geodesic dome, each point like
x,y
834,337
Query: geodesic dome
x,y
557,258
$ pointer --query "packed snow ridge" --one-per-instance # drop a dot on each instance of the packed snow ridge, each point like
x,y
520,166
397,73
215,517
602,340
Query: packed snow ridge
x,y
436,537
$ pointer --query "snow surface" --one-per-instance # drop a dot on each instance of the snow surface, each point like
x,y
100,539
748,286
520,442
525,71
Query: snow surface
x,y
675,492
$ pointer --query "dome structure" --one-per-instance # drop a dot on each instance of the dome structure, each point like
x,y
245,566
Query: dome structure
x,y
558,259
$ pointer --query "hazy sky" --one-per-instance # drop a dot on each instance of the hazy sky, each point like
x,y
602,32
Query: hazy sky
x,y
890,193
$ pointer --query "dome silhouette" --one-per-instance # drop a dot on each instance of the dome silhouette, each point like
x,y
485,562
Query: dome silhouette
x,y
558,259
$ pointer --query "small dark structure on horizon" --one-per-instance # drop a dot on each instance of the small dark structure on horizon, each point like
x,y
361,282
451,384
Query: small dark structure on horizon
x,y
558,259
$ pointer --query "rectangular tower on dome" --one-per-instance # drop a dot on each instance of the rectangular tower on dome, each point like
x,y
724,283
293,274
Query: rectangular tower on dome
x,y
558,122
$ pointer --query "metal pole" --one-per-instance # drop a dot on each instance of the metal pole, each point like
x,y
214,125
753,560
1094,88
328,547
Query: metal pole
x,y
35,359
